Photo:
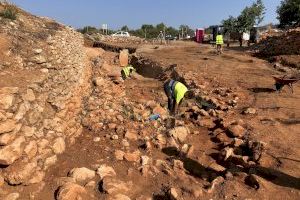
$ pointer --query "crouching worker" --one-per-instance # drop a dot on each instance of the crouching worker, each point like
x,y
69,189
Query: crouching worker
x,y
127,71
175,92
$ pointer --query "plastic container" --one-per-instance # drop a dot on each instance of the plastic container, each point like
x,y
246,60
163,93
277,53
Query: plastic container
x,y
154,117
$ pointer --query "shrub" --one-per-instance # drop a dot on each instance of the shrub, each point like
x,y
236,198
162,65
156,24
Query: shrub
x,y
10,11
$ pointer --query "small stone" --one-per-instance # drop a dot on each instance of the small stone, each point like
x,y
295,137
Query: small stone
x,y
50,161
250,111
104,171
237,130
120,118
6,101
31,149
37,51
115,137
97,139
99,81
125,143
7,126
119,155
237,142
29,96
216,167
217,181
28,131
203,113
173,193
81,174
131,135
59,145
145,160
132,157
179,133
37,177
207,123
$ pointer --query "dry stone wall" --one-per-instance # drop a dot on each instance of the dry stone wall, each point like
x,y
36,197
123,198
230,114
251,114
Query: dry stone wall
x,y
38,120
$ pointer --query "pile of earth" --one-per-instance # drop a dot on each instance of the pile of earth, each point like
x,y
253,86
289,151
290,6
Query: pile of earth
x,y
283,48
287,43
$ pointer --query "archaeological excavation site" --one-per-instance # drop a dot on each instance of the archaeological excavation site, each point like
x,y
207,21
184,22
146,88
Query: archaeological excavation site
x,y
75,125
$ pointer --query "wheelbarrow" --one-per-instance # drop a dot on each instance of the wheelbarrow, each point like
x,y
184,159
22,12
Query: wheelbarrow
x,y
280,82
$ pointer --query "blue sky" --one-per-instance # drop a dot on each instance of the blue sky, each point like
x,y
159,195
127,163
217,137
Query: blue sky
x,y
134,13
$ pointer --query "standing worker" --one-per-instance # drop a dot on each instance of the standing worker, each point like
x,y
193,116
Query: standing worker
x,y
127,71
219,42
175,92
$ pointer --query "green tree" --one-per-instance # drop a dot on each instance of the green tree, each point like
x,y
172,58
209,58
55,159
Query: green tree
x,y
88,30
289,13
125,28
230,24
186,30
251,16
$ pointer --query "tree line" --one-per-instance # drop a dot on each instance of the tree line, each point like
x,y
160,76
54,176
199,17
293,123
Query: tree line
x,y
148,31
288,14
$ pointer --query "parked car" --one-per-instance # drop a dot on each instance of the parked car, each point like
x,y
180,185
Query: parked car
x,y
170,37
121,34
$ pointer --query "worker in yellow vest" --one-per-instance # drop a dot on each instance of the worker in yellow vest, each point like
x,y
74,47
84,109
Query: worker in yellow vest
x,y
175,91
219,43
127,71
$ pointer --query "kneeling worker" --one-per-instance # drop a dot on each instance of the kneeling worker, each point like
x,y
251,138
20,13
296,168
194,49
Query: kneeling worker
x,y
175,92
127,71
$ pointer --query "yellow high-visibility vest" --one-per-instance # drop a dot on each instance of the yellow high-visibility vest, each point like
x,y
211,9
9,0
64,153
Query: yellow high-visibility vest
x,y
219,39
127,69
179,91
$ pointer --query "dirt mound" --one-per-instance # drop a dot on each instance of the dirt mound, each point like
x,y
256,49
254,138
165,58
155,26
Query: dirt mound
x,y
287,43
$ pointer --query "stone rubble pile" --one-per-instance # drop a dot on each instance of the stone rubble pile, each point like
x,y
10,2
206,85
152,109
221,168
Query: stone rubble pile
x,y
115,40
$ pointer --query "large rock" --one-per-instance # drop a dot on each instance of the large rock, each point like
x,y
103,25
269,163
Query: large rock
x,y
7,138
119,155
7,97
104,171
29,96
112,186
207,123
133,157
179,133
71,191
82,174
20,173
237,130
12,152
7,126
